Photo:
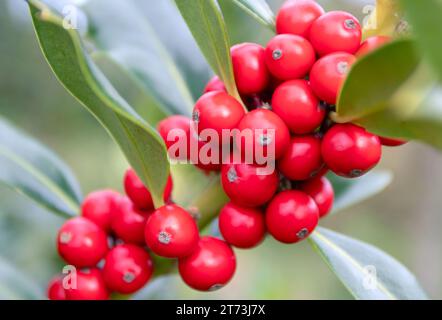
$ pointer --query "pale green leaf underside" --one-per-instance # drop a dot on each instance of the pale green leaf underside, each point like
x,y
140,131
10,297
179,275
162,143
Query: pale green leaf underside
x,y
33,170
367,272
260,10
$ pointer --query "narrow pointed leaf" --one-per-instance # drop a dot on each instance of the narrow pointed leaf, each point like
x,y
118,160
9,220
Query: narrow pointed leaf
x,y
260,10
366,271
35,171
206,22
65,53
349,192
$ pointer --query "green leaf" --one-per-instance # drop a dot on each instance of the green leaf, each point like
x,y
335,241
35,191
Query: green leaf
x,y
65,53
35,171
15,285
424,16
349,192
260,10
367,272
206,22
391,92
144,57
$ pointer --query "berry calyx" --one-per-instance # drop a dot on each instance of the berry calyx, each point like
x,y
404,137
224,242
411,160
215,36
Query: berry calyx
x,y
371,44
249,67
176,129
291,216
248,185
98,207
392,142
289,56
127,268
81,242
89,286
262,132
240,226
217,111
171,232
55,289
302,159
139,194
321,190
296,104
128,222
210,266
297,17
335,31
215,84
328,74
350,151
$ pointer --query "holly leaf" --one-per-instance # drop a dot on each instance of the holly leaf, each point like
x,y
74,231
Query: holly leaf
x,y
33,170
206,23
65,53
367,272
349,192
260,10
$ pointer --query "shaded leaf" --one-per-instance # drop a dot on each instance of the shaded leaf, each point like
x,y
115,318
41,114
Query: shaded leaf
x,y
33,170
367,272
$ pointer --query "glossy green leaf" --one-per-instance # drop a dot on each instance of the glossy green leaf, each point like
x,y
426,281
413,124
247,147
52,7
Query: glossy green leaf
x,y
35,171
119,30
260,10
15,285
349,192
367,272
65,53
424,16
206,22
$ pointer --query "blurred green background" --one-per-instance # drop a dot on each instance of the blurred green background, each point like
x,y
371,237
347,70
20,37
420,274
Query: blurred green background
x,y
404,220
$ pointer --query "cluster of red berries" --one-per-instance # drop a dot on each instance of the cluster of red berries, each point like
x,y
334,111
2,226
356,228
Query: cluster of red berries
x,y
288,88
111,244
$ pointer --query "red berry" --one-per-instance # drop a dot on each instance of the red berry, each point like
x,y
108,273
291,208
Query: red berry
x,y
210,266
371,44
350,151
246,185
392,142
328,74
268,133
89,286
336,31
128,222
178,127
296,104
215,84
217,111
249,66
241,227
139,194
81,242
55,289
171,232
289,56
303,159
321,190
291,216
127,268
297,17
208,153
98,207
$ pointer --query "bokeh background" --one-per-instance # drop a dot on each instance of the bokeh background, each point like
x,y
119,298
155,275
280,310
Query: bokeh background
x,y
404,220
